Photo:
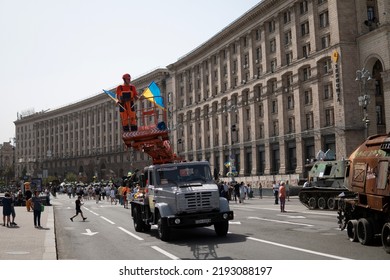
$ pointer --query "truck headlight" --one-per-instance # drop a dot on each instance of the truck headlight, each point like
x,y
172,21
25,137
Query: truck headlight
x,y
225,216
177,221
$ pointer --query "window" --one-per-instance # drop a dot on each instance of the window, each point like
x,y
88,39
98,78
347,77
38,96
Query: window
x,y
273,65
327,64
325,41
324,19
257,34
305,28
286,17
306,73
272,45
287,37
261,110
275,126
309,120
308,97
306,50
271,26
329,117
328,93
291,125
288,58
258,54
303,7
274,106
321,2
290,102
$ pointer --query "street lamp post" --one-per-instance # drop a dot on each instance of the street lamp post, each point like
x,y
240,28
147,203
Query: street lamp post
x,y
363,76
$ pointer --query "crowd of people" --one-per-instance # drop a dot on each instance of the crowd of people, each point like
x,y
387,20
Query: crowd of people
x,y
239,192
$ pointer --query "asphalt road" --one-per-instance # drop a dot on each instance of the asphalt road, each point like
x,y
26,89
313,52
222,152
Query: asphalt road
x,y
258,232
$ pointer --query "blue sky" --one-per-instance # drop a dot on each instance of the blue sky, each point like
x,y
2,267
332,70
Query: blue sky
x,y
54,53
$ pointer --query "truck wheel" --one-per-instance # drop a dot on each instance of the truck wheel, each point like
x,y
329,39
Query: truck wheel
x,y
352,230
364,231
221,229
162,229
386,237
138,223
322,203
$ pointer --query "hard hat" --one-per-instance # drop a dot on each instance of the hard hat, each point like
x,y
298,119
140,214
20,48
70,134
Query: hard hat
x,y
126,76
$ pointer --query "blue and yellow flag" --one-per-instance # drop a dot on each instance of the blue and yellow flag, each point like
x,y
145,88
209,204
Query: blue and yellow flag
x,y
113,97
153,94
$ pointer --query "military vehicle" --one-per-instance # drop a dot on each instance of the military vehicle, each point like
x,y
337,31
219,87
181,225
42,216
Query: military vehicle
x,y
325,182
366,214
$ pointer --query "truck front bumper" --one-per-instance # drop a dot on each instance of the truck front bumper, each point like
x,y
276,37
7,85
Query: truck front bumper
x,y
198,219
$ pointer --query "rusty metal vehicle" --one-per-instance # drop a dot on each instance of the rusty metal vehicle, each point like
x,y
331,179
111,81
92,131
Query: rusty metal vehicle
x,y
325,182
366,215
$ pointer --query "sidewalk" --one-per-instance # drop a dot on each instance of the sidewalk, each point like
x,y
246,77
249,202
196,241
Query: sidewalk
x,y
24,241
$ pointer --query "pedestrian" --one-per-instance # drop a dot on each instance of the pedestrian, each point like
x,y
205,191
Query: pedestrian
x,y
282,196
288,190
78,203
236,191
28,195
275,189
242,192
13,214
7,208
261,191
127,94
113,195
36,205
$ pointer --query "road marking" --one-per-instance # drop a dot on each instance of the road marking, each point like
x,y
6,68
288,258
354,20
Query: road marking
x,y
130,233
292,217
104,218
234,223
169,255
278,221
298,249
96,214
89,232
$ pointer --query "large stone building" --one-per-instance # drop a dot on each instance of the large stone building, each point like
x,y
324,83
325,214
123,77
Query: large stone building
x,y
285,80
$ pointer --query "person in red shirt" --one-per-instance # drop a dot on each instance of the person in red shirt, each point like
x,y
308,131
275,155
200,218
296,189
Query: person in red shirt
x,y
127,94
282,196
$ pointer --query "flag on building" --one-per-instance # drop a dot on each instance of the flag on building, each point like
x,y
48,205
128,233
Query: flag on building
x,y
153,94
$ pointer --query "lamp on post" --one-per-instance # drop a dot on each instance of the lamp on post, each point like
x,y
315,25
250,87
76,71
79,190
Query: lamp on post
x,y
363,76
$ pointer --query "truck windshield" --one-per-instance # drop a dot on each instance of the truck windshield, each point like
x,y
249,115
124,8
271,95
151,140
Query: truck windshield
x,y
184,174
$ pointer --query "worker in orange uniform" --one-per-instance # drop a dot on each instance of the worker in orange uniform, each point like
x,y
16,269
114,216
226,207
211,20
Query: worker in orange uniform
x,y
127,94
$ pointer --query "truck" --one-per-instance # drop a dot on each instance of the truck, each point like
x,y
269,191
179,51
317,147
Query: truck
x,y
172,193
365,212
179,195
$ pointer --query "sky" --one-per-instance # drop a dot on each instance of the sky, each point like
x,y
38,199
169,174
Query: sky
x,y
57,52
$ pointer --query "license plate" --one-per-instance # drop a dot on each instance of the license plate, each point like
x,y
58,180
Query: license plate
x,y
203,221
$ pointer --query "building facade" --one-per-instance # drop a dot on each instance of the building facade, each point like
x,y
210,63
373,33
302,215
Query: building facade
x,y
268,92
279,84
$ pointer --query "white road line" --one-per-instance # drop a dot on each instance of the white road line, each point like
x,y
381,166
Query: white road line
x,y
169,255
130,233
298,249
104,218
278,221
96,214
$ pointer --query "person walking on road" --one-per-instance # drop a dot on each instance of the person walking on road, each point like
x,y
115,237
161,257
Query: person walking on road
x,y
282,196
78,209
275,189
36,205
7,209
260,190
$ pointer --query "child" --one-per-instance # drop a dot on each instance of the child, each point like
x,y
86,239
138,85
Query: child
x,y
78,209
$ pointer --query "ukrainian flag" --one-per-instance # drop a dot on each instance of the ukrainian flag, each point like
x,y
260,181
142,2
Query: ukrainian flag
x,y
153,94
